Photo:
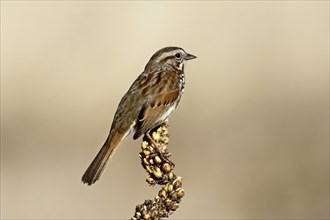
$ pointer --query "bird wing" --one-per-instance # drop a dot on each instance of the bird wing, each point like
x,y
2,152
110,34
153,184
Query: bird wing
x,y
155,111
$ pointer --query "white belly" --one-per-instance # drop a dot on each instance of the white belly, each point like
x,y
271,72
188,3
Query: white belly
x,y
168,113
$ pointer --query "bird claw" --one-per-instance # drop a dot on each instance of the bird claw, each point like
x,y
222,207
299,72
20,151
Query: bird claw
x,y
160,153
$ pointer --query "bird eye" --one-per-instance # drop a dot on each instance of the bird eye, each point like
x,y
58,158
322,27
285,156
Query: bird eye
x,y
178,55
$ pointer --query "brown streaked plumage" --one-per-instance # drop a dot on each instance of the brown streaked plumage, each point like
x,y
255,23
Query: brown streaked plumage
x,y
150,100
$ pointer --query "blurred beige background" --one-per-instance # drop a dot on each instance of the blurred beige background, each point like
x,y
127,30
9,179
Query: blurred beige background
x,y
250,137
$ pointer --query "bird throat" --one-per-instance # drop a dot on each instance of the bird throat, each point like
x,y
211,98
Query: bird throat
x,y
181,65
181,82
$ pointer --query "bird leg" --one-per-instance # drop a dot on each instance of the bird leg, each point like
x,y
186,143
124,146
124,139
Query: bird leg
x,y
160,153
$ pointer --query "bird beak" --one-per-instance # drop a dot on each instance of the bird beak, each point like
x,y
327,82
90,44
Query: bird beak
x,y
190,57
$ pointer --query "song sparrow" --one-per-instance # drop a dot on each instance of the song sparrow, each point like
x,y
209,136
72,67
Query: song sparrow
x,y
150,100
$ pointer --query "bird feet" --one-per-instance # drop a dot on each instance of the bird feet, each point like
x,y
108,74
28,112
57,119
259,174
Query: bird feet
x,y
160,153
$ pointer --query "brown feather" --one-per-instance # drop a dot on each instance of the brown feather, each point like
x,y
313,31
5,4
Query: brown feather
x,y
149,116
94,171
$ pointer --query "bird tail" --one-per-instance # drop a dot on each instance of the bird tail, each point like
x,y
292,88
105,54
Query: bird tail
x,y
94,171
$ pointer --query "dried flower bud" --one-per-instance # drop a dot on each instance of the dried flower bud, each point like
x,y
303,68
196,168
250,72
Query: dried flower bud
x,y
166,167
177,182
155,136
138,215
146,216
171,176
180,193
169,203
148,169
164,148
144,145
168,187
162,213
165,131
157,173
162,194
150,180
155,214
166,140
145,161
146,152
174,195
174,207
157,160
139,208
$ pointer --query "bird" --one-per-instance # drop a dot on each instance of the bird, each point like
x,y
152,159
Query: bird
x,y
150,100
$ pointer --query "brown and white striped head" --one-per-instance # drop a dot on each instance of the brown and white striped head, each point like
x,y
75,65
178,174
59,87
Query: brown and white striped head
x,y
169,57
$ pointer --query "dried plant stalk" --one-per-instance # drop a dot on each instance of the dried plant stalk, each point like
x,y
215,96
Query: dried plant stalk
x,y
155,160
